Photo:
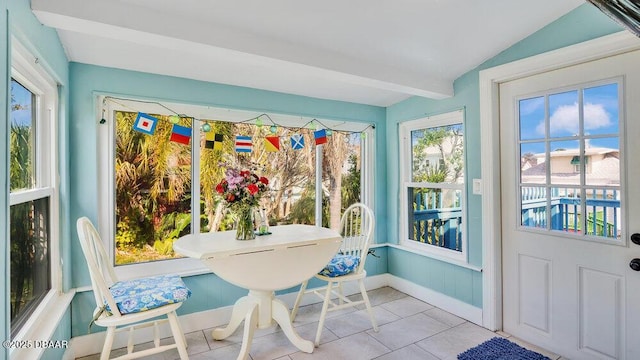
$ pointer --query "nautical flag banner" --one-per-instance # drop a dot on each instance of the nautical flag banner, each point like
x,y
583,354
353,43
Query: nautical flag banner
x,y
180,134
243,143
297,141
145,124
272,143
213,141
320,136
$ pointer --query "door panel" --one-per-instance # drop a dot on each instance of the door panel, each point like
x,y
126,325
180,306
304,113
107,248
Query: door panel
x,y
570,199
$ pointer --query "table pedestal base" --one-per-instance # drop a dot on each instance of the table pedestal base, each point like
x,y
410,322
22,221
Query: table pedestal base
x,y
258,310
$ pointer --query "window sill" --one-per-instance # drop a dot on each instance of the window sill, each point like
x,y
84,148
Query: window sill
x,y
182,267
422,252
42,324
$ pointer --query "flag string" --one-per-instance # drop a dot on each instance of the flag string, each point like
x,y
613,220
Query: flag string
x,y
256,120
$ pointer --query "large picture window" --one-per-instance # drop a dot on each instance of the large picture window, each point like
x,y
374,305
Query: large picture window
x,y
33,194
433,192
164,189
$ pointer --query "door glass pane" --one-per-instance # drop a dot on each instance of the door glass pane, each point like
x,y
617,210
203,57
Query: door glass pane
x,y
533,168
565,162
601,107
22,138
603,162
30,258
564,117
583,175
534,206
603,213
532,114
565,209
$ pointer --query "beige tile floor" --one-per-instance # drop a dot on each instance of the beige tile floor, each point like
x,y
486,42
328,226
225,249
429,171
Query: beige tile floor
x,y
409,329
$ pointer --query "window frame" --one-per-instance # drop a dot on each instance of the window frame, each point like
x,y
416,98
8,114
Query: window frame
x,y
106,183
406,162
584,169
26,70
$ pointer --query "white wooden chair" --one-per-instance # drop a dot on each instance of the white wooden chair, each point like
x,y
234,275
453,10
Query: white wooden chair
x,y
114,307
356,227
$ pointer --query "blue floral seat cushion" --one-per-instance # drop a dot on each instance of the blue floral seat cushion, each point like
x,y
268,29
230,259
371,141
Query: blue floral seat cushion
x,y
340,265
148,293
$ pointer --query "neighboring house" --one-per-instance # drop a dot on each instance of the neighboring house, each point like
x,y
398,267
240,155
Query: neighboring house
x,y
602,167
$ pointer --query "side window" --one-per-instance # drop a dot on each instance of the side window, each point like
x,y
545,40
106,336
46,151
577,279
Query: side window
x,y
569,145
33,195
433,184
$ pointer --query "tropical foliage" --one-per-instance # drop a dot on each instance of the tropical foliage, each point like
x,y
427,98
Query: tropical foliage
x,y
443,143
153,182
29,272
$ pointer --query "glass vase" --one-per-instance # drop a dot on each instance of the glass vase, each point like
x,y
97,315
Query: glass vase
x,y
245,224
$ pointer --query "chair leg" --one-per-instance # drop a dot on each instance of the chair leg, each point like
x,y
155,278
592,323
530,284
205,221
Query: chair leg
x,y
323,313
178,336
340,301
108,342
365,297
294,311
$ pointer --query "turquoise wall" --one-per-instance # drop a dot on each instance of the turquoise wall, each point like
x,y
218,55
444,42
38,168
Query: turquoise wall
x,y
17,19
584,23
63,332
88,81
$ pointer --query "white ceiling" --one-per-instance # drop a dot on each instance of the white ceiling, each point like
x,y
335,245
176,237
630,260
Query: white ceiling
x,y
374,52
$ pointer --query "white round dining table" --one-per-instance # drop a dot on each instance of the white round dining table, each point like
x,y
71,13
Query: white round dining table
x,y
288,256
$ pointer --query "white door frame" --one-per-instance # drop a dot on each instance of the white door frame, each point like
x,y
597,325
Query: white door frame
x,y
490,80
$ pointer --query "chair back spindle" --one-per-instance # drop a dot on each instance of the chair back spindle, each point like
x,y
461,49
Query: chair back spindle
x,y
356,227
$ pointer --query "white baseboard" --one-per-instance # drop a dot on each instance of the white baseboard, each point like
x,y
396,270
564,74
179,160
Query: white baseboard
x,y
444,302
92,343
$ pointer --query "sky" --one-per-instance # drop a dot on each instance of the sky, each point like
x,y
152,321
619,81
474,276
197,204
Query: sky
x,y
20,96
600,106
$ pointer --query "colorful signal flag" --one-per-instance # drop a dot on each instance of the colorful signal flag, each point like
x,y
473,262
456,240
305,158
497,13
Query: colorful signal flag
x,y
243,143
272,143
180,134
213,141
320,136
145,123
297,141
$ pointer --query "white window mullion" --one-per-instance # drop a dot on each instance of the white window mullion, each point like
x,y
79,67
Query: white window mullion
x,y
319,192
195,178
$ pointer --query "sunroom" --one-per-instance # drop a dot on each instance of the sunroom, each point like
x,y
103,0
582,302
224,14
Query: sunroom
x,y
494,144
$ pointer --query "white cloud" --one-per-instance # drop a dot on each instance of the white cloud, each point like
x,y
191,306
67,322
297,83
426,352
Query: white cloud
x,y
529,106
565,119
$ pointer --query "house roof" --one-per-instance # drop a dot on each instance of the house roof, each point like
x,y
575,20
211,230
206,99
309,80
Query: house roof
x,y
576,152
603,174
370,52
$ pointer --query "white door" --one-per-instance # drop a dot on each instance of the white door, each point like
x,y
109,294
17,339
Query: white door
x,y
570,179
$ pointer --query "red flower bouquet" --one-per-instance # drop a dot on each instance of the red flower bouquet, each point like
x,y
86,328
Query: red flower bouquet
x,y
242,190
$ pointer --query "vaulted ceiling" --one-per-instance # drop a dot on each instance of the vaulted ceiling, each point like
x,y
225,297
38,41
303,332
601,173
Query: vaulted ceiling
x,y
374,52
